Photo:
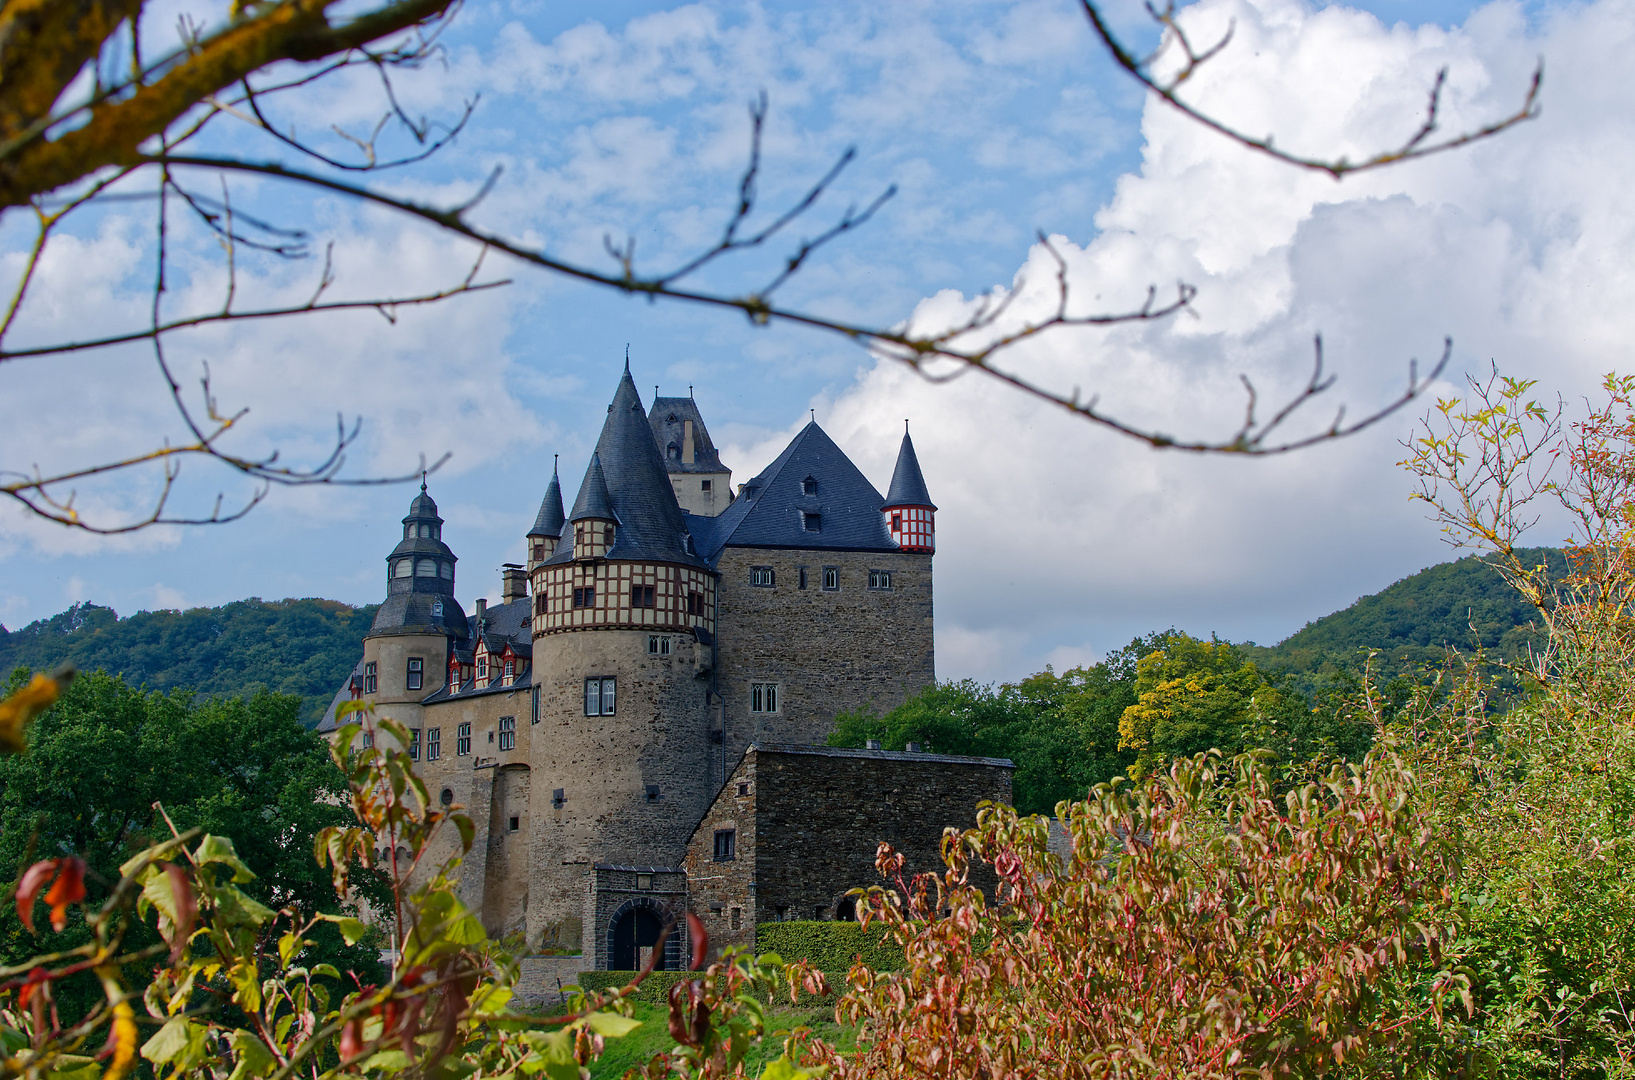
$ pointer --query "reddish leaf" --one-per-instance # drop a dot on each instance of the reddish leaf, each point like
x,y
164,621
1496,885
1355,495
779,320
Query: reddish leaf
x,y
699,939
187,907
33,880
36,979
689,1015
351,1039
69,888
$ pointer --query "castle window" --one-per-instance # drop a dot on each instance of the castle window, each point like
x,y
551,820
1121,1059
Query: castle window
x,y
743,787
763,697
599,697
425,568
578,537
736,918
482,669
802,583
539,552
703,485
726,847
585,597
558,797
434,743
508,733
425,530
368,739
641,596
403,568
371,678
414,745
809,486
445,571
879,579
462,740
446,797
539,604
535,696
695,603
674,451
896,523
416,673
658,645
762,576
454,678
513,823
811,522
607,536
509,674
652,793
831,578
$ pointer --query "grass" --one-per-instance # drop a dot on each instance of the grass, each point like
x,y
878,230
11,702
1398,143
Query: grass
x,y
653,1037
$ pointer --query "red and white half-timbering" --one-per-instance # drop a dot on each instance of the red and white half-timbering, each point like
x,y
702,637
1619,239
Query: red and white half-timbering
x,y
913,527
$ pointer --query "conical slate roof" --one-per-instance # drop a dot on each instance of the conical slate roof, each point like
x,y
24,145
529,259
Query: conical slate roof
x,y
907,482
651,524
550,519
593,500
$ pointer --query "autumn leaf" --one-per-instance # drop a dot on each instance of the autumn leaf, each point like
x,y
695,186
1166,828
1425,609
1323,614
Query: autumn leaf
x,y
27,703
69,888
28,888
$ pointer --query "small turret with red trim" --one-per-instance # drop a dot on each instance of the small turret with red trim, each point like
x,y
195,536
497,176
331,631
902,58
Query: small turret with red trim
x,y
910,514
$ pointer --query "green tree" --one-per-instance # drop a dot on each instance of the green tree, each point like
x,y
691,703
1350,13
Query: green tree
x,y
103,759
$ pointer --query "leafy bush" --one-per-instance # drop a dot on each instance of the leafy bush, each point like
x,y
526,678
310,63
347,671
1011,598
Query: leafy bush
x,y
831,946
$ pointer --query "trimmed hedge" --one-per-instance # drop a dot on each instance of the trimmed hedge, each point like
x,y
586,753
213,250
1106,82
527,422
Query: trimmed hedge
x,y
656,986
830,946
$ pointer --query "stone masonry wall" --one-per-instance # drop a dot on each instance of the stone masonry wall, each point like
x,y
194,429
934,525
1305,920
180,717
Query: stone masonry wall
x,y
821,814
722,892
659,735
829,651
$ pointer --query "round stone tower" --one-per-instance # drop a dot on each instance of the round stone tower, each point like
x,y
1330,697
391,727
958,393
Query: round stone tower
x,y
622,648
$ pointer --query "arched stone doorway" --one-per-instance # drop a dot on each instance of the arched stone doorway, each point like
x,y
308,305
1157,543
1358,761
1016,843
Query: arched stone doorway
x,y
634,932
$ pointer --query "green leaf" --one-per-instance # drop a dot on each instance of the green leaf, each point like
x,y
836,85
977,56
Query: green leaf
x,y
490,1000
352,930
12,1040
219,849
75,1067
325,969
389,1061
253,1056
612,1025
239,908
784,1068
168,1041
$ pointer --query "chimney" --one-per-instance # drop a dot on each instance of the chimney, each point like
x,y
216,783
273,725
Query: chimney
x,y
687,442
873,744
482,607
514,584
913,748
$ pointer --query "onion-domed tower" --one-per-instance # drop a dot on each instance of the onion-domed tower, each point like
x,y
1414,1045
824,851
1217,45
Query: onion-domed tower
x,y
910,514
405,653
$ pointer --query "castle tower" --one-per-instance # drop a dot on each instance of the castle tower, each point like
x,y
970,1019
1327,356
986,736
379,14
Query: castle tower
x,y
623,637
910,514
405,653
702,484
548,524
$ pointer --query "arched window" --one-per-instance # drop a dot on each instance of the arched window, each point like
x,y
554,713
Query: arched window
x,y
425,530
445,571
425,568
403,568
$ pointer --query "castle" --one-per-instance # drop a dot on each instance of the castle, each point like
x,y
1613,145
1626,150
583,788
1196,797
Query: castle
x,y
635,726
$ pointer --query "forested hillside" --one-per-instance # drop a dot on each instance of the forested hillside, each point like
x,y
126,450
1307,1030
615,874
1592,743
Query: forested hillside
x,y
1413,621
303,647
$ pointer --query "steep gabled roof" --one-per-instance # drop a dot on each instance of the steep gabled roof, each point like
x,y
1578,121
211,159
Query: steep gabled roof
x,y
907,482
549,520
669,423
770,511
651,524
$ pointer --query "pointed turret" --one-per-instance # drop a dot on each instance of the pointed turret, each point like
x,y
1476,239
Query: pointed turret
x,y
910,514
593,518
548,523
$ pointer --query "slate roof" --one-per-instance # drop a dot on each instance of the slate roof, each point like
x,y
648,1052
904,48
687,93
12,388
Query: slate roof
x,y
550,518
651,524
669,422
594,500
770,509
907,482
327,722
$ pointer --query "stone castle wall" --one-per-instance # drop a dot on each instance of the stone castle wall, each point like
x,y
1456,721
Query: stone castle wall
x,y
829,651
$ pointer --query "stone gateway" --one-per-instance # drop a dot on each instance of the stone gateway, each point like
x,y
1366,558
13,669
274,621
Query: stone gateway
x,y
669,649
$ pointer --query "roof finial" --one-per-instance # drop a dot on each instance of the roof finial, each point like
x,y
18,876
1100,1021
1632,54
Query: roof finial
x,y
814,415
422,481
627,358
554,458
655,391
689,391
905,425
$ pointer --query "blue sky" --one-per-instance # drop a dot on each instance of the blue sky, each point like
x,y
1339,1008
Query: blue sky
x,y
1058,541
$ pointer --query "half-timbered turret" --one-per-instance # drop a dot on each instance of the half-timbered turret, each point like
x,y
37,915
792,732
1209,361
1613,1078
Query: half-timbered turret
x,y
910,513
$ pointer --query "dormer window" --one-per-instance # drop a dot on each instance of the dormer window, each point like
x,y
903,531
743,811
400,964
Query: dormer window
x,y
673,451
812,522
482,668
509,673
808,486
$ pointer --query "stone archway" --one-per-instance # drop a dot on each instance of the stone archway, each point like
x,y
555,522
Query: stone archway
x,y
637,926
